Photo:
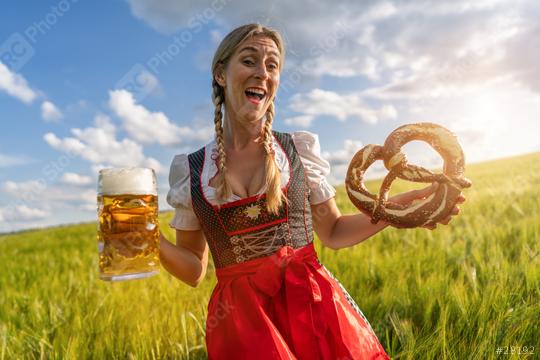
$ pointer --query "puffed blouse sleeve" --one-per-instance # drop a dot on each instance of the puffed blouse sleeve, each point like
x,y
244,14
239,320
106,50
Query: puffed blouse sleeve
x,y
179,195
308,147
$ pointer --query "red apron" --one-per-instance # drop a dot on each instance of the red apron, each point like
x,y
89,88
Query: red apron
x,y
285,306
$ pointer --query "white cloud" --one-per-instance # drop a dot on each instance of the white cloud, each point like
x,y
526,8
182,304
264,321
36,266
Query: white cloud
x,y
99,145
303,121
320,102
19,213
499,119
75,179
15,85
49,111
10,160
27,190
58,196
151,127
36,199
168,15
337,37
343,156
523,55
340,159
342,66
462,41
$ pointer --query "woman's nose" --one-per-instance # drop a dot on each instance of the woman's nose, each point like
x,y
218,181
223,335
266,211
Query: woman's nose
x,y
261,71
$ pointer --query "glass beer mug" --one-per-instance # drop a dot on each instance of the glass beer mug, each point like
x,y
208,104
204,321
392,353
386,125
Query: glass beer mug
x,y
128,234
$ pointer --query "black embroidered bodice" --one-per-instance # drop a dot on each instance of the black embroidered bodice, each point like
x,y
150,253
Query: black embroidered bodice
x,y
243,230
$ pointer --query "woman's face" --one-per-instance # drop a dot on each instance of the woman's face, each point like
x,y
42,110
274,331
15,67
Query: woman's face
x,y
251,79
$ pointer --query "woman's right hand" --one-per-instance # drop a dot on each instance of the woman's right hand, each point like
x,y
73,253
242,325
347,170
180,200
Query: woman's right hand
x,y
409,196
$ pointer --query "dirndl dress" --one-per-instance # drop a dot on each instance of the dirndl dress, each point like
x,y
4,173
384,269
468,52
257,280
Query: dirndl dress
x,y
274,299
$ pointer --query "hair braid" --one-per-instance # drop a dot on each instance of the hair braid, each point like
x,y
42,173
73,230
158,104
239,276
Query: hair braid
x,y
274,194
224,190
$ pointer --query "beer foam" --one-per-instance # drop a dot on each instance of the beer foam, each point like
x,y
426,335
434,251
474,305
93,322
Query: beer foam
x,y
124,181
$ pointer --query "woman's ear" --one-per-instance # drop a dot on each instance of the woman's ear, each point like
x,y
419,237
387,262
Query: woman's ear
x,y
220,75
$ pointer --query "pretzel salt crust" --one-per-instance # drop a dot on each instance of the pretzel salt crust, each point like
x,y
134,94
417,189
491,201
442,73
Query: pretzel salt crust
x,y
421,212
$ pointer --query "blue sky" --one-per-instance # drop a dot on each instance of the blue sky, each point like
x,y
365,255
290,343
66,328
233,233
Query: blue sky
x,y
90,84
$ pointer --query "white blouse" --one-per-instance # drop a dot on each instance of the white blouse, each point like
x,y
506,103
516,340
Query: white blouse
x,y
308,147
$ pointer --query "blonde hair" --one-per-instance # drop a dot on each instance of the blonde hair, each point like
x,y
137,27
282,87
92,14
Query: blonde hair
x,y
274,195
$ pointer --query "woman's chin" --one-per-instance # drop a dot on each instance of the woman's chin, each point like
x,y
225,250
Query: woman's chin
x,y
253,116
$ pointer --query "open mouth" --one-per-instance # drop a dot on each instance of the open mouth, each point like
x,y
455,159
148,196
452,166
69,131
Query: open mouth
x,y
255,95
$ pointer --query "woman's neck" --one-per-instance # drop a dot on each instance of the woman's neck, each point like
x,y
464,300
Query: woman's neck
x,y
238,135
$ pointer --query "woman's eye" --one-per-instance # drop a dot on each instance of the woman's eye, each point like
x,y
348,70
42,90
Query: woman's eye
x,y
248,62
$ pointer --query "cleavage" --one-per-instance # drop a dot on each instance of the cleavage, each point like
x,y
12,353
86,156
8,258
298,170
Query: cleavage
x,y
245,181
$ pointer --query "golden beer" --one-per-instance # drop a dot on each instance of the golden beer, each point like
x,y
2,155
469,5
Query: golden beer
x,y
128,234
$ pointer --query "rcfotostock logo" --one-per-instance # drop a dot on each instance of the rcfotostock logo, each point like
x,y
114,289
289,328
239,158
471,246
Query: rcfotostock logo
x,y
138,81
16,51
141,79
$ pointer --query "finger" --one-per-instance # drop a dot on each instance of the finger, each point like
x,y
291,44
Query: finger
x,y
455,210
427,190
446,221
461,199
119,247
433,187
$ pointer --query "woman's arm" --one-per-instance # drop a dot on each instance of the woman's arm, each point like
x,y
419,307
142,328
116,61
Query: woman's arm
x,y
188,259
338,231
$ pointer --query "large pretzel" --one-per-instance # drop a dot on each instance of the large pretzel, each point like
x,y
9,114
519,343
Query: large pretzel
x,y
421,212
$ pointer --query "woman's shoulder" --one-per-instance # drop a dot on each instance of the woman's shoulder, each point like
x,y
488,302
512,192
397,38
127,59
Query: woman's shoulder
x,y
179,168
305,136
182,160
301,138
296,133
307,143
308,147
315,166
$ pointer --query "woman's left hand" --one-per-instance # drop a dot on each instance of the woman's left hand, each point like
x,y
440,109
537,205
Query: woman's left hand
x,y
409,196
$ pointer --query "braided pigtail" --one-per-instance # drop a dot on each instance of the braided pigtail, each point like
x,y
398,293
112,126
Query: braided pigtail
x,y
274,194
223,188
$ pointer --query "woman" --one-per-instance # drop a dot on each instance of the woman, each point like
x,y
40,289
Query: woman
x,y
253,196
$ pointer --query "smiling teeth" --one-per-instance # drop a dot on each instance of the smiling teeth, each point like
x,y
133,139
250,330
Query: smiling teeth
x,y
256,91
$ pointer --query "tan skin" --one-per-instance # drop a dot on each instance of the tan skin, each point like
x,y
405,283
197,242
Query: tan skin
x,y
256,63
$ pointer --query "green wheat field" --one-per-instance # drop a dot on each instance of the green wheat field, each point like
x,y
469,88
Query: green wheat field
x,y
470,290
